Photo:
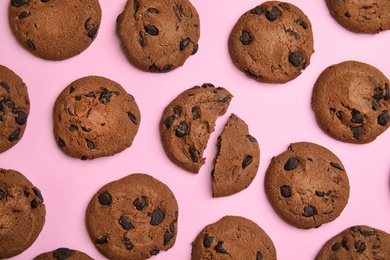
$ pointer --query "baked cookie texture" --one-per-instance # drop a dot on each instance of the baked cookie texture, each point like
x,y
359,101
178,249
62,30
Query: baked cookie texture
x,y
351,102
361,16
133,218
272,42
55,29
188,121
14,108
307,185
238,158
22,213
233,237
357,242
63,253
159,36
95,117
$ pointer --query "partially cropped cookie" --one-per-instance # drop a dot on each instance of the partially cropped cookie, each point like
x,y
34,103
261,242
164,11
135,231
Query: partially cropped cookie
x,y
14,108
95,117
238,158
361,16
55,29
233,237
133,218
307,185
63,253
22,213
188,121
272,42
159,36
351,102
357,242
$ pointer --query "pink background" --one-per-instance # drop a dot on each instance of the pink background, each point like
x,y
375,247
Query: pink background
x,y
277,115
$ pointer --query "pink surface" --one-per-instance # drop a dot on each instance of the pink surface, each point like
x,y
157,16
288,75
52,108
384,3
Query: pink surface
x,y
277,115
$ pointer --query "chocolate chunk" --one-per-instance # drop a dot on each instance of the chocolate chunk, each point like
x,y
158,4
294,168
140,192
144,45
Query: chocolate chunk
x,y
194,154
60,142
184,43
87,24
125,223
168,122
320,193
62,253
21,119
309,211
291,164
35,203
285,191
207,240
383,118
219,248
247,161
336,246
356,131
296,58
151,29
386,96
272,14
245,38
92,33
357,117
168,237
105,95
140,203
2,194
257,10
104,198
360,246
303,24
15,135
177,111
152,10
166,68
30,44
4,85
18,3
140,39
156,216
347,14
374,105
86,129
135,6
102,240
259,256
251,138
90,144
195,113
154,252
367,233
195,50
126,241
336,165
181,129
293,33
38,193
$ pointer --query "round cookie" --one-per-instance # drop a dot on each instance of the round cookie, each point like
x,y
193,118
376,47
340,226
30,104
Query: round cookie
x,y
62,254
14,108
238,158
159,36
233,237
307,185
22,213
95,117
361,16
272,43
188,121
357,242
133,218
351,102
55,29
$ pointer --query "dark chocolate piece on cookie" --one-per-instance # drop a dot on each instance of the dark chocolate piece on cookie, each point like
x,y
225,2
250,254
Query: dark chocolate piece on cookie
x,y
63,253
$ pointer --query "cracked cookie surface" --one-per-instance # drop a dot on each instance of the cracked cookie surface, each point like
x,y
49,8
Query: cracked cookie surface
x,y
272,42
95,117
55,29
307,185
159,36
133,218
351,102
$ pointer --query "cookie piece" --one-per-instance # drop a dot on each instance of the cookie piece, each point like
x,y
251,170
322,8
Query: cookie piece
x,y
351,102
307,185
22,213
357,242
53,29
238,158
95,117
62,254
187,122
233,237
14,108
361,16
133,218
272,42
159,36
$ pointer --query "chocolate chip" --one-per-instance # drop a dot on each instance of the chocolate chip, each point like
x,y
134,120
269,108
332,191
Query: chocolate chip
x,y
35,203
208,85
105,95
168,237
104,198
135,6
166,68
168,122
285,191
245,38
207,240
374,105
195,50
172,226
151,29
177,111
247,161
92,33
21,119
132,118
296,58
357,131
251,138
194,154
309,211
140,39
154,252
140,203
156,216
87,24
102,240
84,158
386,96
152,10
24,14
178,9
181,129
272,14
126,241
336,246
18,3
367,233
291,164
90,144
259,256
30,44
293,33
257,10
62,253
125,222
60,142
219,248
195,113
45,1
383,118
357,117
2,194
336,165
4,85
360,246
37,193
15,135
347,14
303,24
184,43
320,193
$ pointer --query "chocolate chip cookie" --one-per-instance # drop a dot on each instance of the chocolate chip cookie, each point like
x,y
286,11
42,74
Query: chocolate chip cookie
x,y
361,16
133,218
272,42
22,213
351,102
357,242
14,108
62,254
233,237
187,122
54,29
159,36
238,158
95,117
307,185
